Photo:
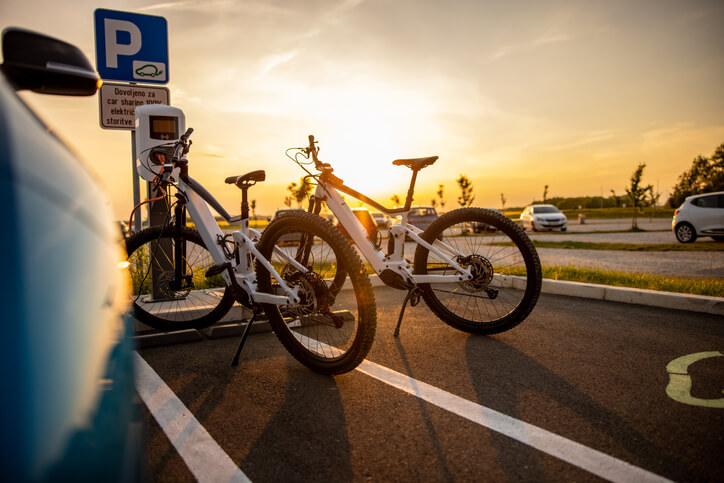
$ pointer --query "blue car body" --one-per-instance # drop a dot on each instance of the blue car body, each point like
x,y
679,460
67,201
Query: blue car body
x,y
67,410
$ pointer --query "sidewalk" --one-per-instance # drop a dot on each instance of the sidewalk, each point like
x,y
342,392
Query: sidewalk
x,y
232,325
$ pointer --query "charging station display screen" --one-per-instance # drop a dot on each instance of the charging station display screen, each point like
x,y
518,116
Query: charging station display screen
x,y
163,127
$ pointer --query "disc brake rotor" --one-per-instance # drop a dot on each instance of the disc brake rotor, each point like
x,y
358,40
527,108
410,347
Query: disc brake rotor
x,y
313,292
480,268
164,285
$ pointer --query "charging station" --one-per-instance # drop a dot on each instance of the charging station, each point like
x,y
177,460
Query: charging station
x,y
156,124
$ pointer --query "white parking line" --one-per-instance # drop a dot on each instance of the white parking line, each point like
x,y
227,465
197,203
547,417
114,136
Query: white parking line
x,y
205,458
588,459
208,461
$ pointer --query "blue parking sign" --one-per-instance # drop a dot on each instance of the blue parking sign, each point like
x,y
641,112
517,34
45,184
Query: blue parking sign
x,y
131,47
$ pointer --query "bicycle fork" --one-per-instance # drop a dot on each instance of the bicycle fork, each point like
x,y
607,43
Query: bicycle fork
x,y
179,246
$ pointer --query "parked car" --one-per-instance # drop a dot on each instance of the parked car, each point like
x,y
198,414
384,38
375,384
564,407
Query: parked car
x,y
67,411
422,216
291,238
700,215
369,224
543,217
479,227
380,219
286,211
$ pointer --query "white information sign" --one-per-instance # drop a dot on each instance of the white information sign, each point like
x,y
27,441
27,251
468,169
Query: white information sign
x,y
118,103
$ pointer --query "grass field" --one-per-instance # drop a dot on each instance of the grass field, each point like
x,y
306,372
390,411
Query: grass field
x,y
258,224
712,288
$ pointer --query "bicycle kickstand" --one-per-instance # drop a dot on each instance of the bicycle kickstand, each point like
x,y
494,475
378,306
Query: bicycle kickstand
x,y
413,297
255,312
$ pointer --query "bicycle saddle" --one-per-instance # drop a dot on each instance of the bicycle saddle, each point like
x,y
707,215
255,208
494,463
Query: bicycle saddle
x,y
415,163
252,177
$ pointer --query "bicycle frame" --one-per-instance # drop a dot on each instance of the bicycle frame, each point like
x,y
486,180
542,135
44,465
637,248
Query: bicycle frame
x,y
326,190
197,203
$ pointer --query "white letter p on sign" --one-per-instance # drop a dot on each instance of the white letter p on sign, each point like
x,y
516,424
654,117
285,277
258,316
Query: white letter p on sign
x,y
113,48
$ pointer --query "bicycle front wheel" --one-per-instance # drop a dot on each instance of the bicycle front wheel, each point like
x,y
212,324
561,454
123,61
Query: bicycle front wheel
x,y
169,299
506,271
331,330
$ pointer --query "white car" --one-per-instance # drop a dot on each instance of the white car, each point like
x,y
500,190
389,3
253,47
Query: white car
x,y
700,215
543,217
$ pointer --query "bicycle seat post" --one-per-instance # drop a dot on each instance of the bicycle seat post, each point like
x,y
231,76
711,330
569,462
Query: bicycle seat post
x,y
244,182
244,201
415,164
411,190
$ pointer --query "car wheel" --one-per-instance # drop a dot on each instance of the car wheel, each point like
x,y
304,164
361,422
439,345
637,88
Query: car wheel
x,y
564,229
685,233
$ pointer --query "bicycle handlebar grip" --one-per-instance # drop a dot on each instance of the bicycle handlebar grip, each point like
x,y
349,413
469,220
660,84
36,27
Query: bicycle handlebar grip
x,y
313,150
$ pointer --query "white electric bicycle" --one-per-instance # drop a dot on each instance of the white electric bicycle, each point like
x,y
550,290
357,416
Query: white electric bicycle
x,y
476,269
296,271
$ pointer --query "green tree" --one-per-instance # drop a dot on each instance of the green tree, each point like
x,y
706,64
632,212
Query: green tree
x,y
502,201
440,193
395,200
466,197
615,198
637,193
303,192
292,188
298,192
654,197
545,193
252,206
704,175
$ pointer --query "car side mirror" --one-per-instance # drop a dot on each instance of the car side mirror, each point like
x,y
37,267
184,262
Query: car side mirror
x,y
46,65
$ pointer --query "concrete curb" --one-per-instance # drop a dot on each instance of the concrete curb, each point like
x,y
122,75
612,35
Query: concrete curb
x,y
220,330
232,326
651,298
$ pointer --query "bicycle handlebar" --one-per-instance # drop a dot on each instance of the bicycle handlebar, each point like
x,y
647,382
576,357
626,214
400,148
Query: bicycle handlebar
x,y
313,150
182,146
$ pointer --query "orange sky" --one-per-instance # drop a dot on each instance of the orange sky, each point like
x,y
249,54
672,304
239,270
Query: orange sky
x,y
516,95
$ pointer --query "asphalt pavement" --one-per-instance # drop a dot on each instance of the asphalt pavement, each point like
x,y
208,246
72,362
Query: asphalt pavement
x,y
581,390
585,388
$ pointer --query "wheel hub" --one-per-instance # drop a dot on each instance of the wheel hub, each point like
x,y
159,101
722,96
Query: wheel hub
x,y
480,268
165,279
313,292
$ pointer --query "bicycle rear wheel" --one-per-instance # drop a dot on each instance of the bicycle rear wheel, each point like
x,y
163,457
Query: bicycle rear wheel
x,y
504,263
162,301
332,329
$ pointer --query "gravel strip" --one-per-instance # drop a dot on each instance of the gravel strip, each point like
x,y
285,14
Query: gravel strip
x,y
672,264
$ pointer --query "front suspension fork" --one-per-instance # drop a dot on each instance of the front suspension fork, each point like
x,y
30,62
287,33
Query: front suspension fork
x,y
179,246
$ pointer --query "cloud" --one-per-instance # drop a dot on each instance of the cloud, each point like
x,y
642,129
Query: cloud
x,y
226,6
168,6
589,138
273,61
529,45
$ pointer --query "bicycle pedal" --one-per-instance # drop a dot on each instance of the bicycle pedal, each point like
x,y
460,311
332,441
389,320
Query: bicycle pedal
x,y
217,269
415,297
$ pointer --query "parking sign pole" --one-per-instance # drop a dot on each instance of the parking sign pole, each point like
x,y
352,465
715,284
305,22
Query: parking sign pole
x,y
135,182
130,47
